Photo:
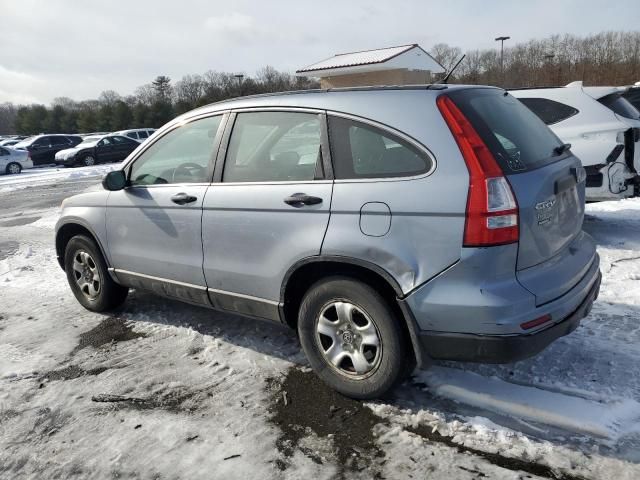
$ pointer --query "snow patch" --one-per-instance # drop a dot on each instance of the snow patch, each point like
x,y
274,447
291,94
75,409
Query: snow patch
x,y
609,418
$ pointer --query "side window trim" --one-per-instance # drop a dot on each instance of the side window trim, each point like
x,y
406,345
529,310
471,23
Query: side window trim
x,y
212,161
327,166
393,132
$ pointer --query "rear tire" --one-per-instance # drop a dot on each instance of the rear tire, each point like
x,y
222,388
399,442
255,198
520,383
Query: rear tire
x,y
352,338
13,168
89,278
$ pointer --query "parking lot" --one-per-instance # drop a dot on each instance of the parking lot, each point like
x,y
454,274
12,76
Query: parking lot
x,y
167,390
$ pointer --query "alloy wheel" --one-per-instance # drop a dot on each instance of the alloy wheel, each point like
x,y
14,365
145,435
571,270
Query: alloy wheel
x,y
85,272
348,339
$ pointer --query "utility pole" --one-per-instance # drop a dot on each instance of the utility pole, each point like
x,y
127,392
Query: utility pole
x,y
501,40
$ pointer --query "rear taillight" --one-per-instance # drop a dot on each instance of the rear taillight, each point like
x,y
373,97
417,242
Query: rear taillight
x,y
492,210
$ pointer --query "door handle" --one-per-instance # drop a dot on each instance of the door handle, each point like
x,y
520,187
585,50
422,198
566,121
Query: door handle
x,y
300,199
182,198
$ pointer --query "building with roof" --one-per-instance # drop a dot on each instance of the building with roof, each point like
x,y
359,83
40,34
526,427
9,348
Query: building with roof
x,y
402,65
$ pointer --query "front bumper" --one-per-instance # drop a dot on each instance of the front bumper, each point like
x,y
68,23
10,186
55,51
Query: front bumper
x,y
65,161
503,348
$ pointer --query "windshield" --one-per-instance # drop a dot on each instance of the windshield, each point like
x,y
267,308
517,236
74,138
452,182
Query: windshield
x,y
620,106
87,141
24,143
518,139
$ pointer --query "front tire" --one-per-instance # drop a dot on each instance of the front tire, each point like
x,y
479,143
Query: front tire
x,y
352,338
13,168
89,278
88,161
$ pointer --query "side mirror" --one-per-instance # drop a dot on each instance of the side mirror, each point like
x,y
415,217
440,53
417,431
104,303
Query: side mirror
x,y
115,180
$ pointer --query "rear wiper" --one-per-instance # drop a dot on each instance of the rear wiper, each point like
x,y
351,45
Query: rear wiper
x,y
560,149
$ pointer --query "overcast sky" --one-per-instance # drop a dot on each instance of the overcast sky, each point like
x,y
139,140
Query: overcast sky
x,y
80,48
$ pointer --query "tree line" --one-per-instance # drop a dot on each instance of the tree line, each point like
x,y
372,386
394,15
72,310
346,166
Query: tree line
x,y
151,105
606,58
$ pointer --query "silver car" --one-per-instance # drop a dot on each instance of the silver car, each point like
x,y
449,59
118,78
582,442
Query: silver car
x,y
389,226
14,161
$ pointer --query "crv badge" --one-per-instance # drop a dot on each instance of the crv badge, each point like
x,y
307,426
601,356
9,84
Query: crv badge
x,y
544,211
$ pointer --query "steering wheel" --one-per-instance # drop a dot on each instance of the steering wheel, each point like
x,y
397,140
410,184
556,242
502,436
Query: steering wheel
x,y
189,170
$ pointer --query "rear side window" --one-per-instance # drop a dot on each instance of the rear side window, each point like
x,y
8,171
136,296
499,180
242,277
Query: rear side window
x,y
142,134
518,139
620,106
549,111
274,146
360,150
57,141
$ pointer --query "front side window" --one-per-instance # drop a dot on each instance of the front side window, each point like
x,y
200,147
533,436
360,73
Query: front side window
x,y
183,155
3,152
360,150
274,146
142,134
549,111
104,142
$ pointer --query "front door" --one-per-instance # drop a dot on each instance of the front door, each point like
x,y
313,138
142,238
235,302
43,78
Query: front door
x,y
154,224
268,208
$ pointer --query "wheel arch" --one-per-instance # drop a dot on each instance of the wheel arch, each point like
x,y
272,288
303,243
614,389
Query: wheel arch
x,y
304,273
67,231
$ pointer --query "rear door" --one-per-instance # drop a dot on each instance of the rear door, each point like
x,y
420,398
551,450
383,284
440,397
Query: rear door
x,y
57,143
122,147
267,209
154,224
548,182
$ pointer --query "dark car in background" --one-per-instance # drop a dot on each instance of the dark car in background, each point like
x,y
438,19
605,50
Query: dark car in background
x,y
97,149
43,148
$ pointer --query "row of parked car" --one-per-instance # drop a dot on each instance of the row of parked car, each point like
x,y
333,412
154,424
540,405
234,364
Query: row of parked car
x,y
602,125
18,153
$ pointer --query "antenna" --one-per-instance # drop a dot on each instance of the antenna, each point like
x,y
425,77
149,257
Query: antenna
x,y
446,78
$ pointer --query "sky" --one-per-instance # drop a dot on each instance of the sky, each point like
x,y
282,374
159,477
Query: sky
x,y
78,49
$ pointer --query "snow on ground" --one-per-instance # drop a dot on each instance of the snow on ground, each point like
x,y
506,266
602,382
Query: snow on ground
x,y
167,390
50,174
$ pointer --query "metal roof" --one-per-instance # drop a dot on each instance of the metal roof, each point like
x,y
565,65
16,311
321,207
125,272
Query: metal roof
x,y
365,57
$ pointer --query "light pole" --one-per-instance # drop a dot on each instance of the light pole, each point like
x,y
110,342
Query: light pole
x,y
239,77
549,57
501,40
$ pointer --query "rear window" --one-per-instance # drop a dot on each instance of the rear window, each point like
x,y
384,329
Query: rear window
x,y
633,97
518,139
549,111
620,106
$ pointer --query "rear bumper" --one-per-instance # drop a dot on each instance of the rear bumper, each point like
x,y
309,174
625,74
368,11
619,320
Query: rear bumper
x,y
503,348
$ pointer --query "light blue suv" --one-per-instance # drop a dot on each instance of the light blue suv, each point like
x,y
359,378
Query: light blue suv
x,y
388,226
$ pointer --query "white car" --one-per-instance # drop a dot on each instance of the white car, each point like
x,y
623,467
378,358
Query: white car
x,y
138,134
603,129
9,142
14,161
